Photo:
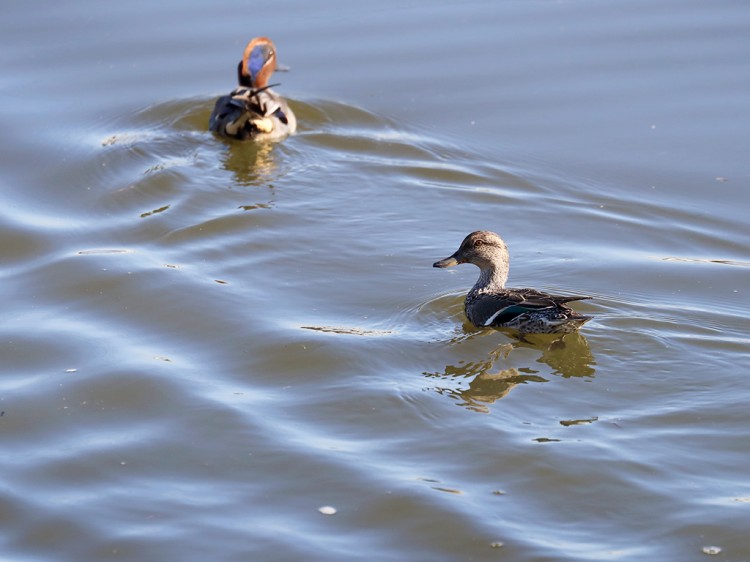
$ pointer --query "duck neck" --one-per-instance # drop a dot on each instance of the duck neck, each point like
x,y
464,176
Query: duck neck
x,y
491,279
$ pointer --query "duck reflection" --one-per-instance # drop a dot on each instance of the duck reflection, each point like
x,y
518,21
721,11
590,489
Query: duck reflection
x,y
252,164
487,388
568,356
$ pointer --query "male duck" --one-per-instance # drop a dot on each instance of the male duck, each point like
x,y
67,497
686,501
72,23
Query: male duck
x,y
253,110
489,303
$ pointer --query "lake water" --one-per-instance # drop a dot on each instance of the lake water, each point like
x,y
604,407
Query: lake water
x,y
206,342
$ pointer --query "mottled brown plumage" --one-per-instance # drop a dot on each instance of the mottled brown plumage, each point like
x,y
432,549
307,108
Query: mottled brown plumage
x,y
490,304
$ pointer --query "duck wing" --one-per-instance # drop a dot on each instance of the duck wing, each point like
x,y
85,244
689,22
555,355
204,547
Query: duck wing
x,y
532,295
498,309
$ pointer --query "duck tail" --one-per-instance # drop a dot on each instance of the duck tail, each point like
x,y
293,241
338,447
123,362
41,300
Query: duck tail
x,y
564,299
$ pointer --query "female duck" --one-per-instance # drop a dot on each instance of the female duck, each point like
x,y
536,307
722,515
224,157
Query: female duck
x,y
489,303
253,110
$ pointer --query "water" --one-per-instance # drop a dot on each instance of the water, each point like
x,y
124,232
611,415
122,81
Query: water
x,y
204,343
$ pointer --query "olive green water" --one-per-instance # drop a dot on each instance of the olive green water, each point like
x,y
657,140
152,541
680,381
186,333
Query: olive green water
x,y
206,342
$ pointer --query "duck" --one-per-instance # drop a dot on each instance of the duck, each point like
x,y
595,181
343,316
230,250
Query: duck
x,y
490,304
253,110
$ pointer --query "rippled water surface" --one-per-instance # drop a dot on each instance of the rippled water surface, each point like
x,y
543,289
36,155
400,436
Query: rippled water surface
x,y
206,342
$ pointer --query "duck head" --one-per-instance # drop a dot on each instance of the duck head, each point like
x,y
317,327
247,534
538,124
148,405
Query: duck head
x,y
258,63
484,249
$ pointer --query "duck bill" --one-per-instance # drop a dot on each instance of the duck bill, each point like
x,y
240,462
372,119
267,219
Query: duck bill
x,y
447,262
